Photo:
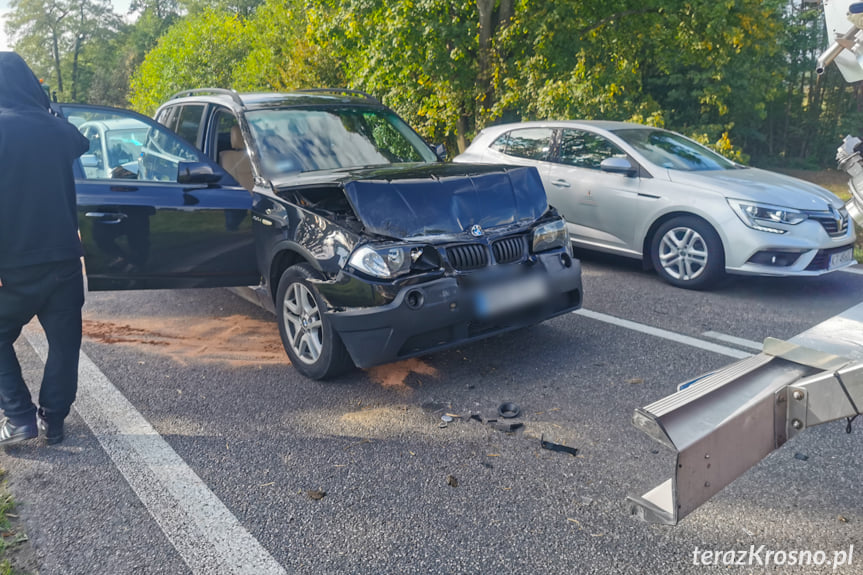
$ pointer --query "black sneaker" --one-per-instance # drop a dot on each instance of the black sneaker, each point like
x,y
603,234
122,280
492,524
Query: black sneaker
x,y
11,434
53,430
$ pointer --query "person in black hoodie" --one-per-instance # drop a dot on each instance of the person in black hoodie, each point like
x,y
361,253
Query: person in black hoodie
x,y
40,251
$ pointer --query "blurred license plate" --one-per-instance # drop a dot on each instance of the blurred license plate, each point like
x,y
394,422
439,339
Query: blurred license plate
x,y
512,295
840,258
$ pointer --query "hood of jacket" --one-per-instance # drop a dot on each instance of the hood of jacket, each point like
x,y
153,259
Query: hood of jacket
x,y
19,87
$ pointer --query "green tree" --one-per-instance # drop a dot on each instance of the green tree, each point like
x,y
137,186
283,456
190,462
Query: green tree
x,y
244,8
201,50
692,66
281,56
34,24
422,58
53,34
452,67
808,117
112,61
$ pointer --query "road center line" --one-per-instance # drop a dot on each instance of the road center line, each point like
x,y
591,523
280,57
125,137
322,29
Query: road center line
x,y
733,340
203,531
664,334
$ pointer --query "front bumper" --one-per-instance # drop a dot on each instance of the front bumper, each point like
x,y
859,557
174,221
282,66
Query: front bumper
x,y
443,313
807,250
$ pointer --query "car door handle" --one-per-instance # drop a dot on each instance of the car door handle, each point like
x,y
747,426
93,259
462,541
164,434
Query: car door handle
x,y
107,217
560,183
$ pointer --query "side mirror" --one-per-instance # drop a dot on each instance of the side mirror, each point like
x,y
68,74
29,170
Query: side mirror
x,y
440,152
618,166
196,173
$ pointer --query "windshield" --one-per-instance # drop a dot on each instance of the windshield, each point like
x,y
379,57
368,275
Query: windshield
x,y
668,150
307,140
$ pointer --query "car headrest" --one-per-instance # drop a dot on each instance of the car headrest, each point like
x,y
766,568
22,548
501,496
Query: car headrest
x,y
237,142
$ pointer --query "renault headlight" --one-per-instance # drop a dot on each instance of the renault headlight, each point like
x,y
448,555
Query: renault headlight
x,y
550,236
385,262
766,217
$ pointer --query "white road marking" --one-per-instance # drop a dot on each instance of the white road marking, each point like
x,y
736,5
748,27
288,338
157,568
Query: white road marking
x,y
733,340
855,270
664,334
203,531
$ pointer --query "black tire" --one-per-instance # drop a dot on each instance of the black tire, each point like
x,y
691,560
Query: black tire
x,y
315,349
686,252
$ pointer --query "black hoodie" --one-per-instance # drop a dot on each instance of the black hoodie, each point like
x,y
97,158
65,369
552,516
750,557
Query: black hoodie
x,y
38,213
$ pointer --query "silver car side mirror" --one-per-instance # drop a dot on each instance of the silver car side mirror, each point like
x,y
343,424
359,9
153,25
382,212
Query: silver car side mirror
x,y
618,166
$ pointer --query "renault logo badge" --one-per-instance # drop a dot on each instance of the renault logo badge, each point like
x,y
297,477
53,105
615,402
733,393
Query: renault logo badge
x,y
476,231
840,218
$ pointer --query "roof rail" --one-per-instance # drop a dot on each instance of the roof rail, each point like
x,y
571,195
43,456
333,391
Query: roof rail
x,y
235,96
344,91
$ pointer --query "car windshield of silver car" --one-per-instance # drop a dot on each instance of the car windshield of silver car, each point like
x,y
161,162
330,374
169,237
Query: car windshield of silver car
x,y
674,152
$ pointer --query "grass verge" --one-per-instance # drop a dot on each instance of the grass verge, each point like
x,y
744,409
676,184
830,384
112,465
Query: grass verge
x,y
11,538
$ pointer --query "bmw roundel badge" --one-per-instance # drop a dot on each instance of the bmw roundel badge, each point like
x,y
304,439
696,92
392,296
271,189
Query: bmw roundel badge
x,y
476,231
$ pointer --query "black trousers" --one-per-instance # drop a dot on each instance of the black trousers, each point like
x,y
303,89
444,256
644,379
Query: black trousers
x,y
54,293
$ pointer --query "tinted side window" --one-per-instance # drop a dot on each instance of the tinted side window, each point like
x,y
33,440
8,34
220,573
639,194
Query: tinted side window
x,y
221,120
586,149
189,123
501,144
529,143
126,146
168,118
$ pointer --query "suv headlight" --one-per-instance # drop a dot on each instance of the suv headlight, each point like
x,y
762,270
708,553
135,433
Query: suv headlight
x,y
550,236
386,262
766,217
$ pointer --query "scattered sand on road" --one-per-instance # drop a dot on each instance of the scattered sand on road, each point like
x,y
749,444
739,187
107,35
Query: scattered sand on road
x,y
235,340
397,375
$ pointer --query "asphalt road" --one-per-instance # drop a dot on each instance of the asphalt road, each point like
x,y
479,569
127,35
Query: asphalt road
x,y
204,370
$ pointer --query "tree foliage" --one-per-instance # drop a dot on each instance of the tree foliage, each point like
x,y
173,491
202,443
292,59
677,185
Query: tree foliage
x,y
737,74
201,50
453,67
422,59
52,34
281,56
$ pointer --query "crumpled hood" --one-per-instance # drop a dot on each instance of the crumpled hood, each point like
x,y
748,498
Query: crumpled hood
x,y
19,87
438,199
760,186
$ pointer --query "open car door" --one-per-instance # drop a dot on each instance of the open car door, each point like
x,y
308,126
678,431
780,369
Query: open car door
x,y
153,211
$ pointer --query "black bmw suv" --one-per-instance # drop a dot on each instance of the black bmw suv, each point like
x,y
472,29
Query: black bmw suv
x,y
366,245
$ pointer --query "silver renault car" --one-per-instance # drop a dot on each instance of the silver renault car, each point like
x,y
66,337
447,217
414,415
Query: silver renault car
x,y
690,213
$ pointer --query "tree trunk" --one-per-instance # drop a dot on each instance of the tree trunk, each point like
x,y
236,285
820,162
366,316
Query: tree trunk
x,y
78,37
55,46
460,131
505,12
486,15
75,68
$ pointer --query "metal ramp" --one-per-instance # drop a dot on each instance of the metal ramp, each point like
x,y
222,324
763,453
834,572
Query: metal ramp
x,y
724,423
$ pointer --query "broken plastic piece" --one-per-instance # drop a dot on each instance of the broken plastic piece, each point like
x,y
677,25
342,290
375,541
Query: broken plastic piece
x,y
556,446
507,427
508,410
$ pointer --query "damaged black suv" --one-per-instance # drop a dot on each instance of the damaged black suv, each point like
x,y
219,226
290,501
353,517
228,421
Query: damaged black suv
x,y
366,246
